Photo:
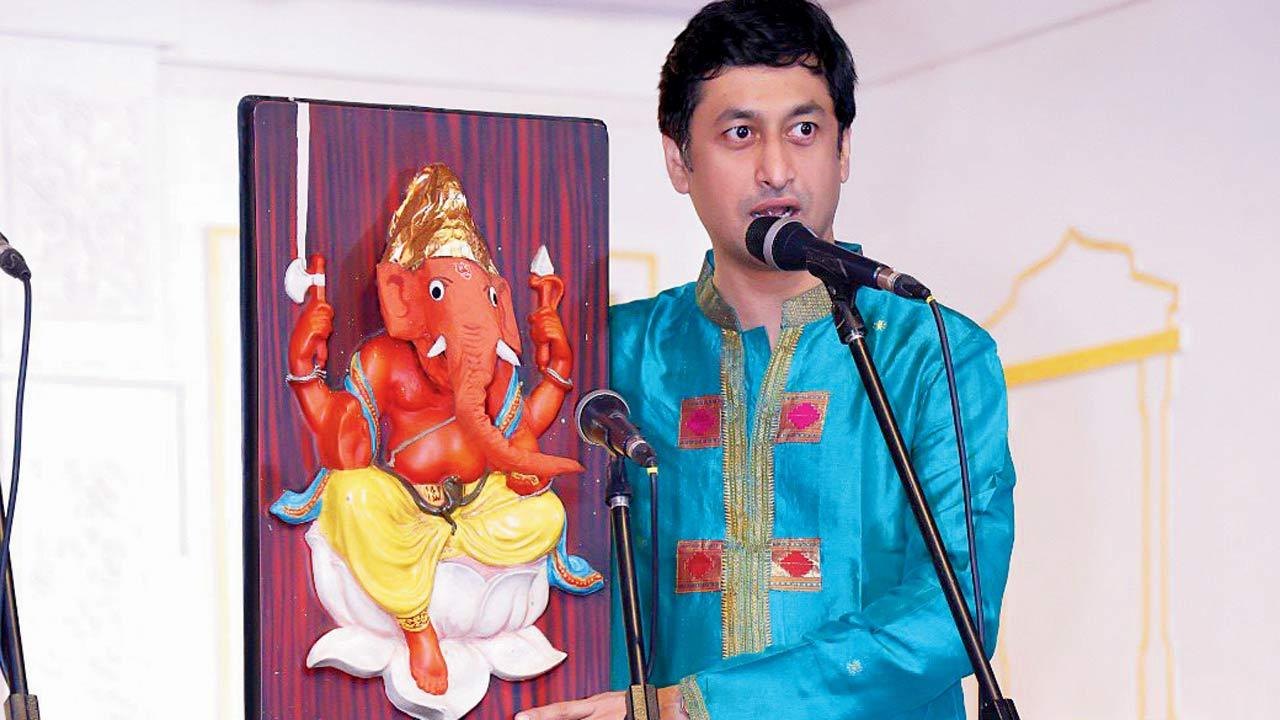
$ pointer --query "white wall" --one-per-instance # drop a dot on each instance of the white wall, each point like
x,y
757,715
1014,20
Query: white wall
x,y
984,132
985,129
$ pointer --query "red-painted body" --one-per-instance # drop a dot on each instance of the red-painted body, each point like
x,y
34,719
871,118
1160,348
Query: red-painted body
x,y
415,391
438,368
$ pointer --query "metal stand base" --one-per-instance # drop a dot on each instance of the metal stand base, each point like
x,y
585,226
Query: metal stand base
x,y
21,707
1001,709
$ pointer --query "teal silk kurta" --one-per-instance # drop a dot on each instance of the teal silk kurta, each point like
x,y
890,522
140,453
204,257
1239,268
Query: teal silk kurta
x,y
792,579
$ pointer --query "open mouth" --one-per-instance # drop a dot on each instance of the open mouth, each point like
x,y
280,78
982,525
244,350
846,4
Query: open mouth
x,y
777,208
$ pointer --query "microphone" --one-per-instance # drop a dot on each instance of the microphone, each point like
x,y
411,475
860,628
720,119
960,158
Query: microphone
x,y
602,418
786,244
11,261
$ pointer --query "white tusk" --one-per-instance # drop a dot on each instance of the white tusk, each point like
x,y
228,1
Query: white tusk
x,y
506,353
437,348
541,264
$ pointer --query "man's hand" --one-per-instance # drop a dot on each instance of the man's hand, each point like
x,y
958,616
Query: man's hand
x,y
605,706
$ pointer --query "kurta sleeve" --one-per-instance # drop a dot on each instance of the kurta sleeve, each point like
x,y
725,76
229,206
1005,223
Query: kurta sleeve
x,y
902,649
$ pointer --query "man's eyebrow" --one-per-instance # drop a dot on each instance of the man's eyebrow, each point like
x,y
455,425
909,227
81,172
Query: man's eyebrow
x,y
734,113
737,113
809,108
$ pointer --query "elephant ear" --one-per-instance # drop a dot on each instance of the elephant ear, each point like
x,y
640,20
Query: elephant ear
x,y
507,314
402,297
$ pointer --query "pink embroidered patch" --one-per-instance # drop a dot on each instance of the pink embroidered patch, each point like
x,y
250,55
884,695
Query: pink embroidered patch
x,y
802,417
700,422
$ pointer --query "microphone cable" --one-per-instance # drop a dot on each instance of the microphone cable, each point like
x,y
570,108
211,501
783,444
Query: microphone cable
x,y
652,471
964,466
11,506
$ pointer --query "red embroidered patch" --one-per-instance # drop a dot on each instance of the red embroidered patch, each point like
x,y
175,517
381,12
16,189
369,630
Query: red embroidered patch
x,y
797,564
802,416
700,422
698,565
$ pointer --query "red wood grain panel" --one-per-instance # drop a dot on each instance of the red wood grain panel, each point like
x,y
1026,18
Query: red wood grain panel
x,y
529,181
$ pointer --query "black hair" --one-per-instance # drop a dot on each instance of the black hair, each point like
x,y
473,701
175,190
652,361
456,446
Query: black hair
x,y
734,33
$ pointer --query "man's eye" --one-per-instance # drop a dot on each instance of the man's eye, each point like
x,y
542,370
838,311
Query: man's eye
x,y
806,129
740,132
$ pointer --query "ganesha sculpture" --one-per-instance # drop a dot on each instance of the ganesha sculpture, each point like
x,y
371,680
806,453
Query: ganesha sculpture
x,y
435,535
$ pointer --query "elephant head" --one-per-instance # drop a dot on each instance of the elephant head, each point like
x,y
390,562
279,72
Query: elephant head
x,y
439,290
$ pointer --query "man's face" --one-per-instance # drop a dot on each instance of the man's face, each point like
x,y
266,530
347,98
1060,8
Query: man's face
x,y
762,141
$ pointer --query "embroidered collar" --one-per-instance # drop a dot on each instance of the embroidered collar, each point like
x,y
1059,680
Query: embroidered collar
x,y
809,306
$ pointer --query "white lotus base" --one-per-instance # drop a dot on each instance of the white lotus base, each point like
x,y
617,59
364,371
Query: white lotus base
x,y
483,615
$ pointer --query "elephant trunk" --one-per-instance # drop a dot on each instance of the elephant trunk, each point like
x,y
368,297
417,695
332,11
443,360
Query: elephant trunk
x,y
471,368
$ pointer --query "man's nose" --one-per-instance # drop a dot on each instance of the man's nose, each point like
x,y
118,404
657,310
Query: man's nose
x,y
774,167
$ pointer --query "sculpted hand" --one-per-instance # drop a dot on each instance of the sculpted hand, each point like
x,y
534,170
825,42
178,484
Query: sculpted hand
x,y
605,706
309,342
550,289
549,340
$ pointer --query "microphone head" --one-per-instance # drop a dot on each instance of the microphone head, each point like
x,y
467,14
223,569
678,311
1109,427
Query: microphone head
x,y
596,403
778,242
12,262
755,236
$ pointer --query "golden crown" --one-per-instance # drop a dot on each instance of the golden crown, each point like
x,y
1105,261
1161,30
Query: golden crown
x,y
434,221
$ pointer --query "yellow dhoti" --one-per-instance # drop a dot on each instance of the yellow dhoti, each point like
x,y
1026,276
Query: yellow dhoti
x,y
393,547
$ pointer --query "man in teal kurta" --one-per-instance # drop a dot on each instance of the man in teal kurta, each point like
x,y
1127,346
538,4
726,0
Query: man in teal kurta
x,y
792,579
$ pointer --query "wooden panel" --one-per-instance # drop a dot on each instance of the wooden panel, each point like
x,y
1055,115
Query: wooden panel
x,y
529,181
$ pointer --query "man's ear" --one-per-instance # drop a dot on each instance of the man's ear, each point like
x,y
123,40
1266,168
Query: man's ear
x,y
677,170
846,150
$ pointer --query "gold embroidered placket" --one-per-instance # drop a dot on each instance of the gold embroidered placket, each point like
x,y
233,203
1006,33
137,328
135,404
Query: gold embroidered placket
x,y
748,466
748,491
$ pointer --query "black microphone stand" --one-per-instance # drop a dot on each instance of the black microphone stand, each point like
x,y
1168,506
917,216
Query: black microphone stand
x,y
852,332
642,698
21,704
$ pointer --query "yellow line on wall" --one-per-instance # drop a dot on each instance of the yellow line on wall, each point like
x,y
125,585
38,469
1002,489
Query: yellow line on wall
x,y
1075,237
216,238
648,259
1137,350
1092,358
1166,630
1144,632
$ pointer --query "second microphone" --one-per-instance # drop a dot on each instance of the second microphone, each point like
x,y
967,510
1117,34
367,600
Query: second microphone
x,y
603,418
